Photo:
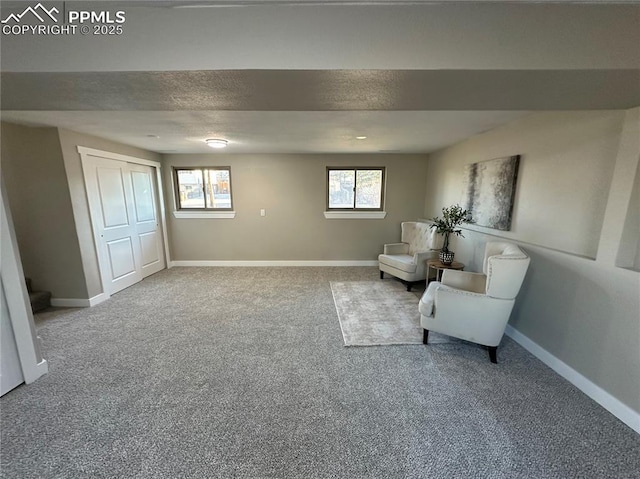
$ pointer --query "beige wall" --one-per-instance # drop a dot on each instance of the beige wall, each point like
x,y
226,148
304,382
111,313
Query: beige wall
x,y
69,141
36,183
566,166
576,175
292,190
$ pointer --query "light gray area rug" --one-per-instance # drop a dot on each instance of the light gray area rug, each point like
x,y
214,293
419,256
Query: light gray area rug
x,y
242,373
374,313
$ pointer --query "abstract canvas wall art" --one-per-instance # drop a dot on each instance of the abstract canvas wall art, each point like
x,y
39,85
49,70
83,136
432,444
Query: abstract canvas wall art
x,y
489,191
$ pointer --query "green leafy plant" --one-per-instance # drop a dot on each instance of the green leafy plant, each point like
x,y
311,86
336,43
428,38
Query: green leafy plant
x,y
452,217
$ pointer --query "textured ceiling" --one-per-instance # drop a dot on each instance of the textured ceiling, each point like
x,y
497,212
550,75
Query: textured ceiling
x,y
323,90
274,132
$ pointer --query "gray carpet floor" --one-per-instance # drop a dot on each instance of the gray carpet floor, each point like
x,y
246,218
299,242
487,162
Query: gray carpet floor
x,y
242,372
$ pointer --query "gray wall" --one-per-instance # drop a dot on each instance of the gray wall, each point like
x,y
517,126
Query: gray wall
x,y
292,190
69,142
574,190
36,184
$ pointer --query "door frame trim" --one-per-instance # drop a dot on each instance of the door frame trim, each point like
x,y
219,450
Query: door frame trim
x,y
32,363
85,155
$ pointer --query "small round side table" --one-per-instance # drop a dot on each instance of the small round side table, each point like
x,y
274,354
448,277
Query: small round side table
x,y
439,266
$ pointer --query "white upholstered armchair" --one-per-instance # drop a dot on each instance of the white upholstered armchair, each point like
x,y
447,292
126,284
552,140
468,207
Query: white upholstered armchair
x,y
407,260
476,306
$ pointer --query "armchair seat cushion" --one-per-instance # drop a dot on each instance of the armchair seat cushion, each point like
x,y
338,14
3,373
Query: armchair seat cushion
x,y
403,262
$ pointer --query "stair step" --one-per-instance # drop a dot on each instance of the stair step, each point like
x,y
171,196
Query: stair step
x,y
40,300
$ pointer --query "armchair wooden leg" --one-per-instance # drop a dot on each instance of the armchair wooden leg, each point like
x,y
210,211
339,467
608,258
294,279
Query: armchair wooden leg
x,y
409,284
425,336
493,350
381,274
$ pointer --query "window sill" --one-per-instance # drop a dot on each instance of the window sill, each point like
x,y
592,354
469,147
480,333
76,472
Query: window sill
x,y
205,214
355,215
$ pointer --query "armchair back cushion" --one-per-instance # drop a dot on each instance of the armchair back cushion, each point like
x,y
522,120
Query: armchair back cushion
x,y
505,265
420,237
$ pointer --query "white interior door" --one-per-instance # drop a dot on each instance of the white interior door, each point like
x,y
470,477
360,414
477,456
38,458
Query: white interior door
x,y
146,219
113,215
126,217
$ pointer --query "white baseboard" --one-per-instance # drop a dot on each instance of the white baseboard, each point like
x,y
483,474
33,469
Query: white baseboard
x,y
70,303
98,298
34,373
277,263
78,302
42,367
620,410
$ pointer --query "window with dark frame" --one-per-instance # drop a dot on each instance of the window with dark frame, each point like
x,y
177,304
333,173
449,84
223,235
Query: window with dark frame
x,y
355,188
204,188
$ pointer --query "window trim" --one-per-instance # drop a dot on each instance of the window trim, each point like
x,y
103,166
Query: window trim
x,y
199,214
355,215
203,211
355,170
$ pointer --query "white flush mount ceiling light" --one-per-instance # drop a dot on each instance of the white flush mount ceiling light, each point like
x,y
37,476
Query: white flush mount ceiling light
x,y
361,137
216,143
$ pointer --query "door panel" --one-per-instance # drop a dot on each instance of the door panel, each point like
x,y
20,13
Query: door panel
x,y
143,196
121,258
148,245
114,203
146,221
